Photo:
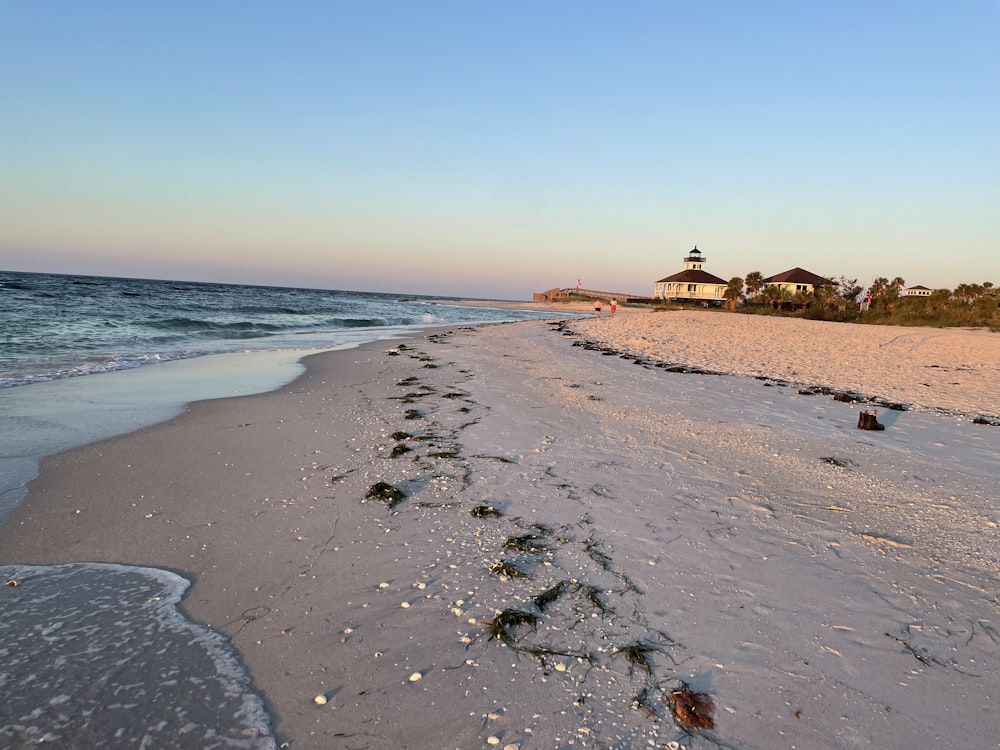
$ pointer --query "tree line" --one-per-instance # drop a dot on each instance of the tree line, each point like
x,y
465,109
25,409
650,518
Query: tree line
x,y
883,302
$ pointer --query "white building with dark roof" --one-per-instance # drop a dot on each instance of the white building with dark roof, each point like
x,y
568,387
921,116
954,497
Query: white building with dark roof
x,y
797,280
693,284
919,291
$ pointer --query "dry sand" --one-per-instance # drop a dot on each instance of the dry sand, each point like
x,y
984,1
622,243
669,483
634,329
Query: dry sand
x,y
944,368
824,587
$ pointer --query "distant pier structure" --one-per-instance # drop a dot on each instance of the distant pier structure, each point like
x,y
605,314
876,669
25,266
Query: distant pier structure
x,y
562,295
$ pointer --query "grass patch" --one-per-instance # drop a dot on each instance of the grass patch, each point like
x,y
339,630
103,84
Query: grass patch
x,y
400,435
399,449
413,414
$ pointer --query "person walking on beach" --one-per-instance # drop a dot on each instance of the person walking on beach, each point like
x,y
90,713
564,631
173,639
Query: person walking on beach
x,y
597,308
614,305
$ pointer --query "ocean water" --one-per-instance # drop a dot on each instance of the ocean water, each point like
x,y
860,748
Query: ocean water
x,y
54,327
83,358
98,655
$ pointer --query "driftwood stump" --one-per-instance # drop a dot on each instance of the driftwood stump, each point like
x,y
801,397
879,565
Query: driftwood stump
x,y
868,420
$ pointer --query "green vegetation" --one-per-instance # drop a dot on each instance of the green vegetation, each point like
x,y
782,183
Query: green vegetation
x,y
885,302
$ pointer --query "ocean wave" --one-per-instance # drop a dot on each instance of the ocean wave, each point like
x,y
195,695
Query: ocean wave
x,y
103,325
209,326
196,327
111,630
93,366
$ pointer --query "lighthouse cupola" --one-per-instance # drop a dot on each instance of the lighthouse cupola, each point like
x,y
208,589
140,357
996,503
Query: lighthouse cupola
x,y
694,260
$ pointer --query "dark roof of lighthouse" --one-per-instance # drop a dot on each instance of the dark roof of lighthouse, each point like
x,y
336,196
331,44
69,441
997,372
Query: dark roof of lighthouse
x,y
692,276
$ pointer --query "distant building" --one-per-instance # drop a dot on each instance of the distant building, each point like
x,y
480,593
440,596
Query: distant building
x,y
797,280
919,291
693,284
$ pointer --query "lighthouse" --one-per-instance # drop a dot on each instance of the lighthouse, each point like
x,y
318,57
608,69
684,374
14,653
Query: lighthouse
x,y
693,284
694,260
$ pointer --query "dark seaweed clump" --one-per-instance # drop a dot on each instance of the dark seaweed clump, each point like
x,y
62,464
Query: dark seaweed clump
x,y
509,569
391,496
543,600
485,511
501,625
638,655
526,543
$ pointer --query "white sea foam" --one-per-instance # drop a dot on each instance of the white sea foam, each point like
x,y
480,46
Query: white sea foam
x,y
102,657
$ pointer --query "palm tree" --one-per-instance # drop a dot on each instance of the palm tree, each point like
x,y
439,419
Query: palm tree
x,y
777,296
966,292
825,296
754,282
849,289
734,292
877,291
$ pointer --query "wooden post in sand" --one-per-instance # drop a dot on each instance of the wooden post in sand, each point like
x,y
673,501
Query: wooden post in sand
x,y
868,420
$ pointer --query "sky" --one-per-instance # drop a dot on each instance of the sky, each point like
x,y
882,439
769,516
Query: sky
x,y
489,149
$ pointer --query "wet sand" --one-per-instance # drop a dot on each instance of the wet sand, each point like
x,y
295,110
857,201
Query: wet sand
x,y
583,543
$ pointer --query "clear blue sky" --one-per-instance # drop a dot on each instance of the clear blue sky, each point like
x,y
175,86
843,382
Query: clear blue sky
x,y
494,149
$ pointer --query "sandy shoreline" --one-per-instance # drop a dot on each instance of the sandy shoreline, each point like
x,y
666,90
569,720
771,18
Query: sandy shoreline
x,y
826,587
944,368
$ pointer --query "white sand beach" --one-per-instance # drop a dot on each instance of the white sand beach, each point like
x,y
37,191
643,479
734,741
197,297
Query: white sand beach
x,y
944,368
585,544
